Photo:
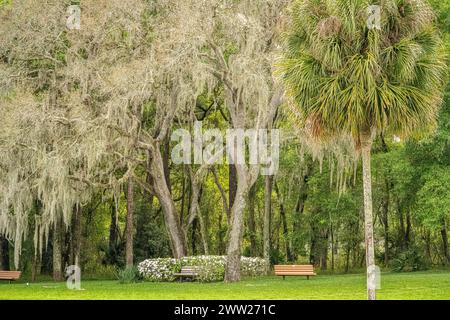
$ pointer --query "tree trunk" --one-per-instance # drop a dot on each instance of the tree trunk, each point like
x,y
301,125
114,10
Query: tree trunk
x,y
287,243
220,235
162,192
385,218
203,233
408,228
267,218
193,236
232,270
251,221
113,235
366,145
299,208
313,247
347,259
166,158
232,185
76,236
4,254
129,257
324,239
36,267
57,250
332,247
427,239
401,225
444,236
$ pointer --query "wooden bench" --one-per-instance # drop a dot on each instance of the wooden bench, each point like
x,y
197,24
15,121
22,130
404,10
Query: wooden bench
x,y
187,272
294,270
10,275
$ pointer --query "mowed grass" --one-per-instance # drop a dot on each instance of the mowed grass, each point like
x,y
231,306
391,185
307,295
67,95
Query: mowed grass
x,y
400,286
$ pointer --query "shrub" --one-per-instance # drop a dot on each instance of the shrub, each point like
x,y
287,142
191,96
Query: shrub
x,y
210,268
160,269
409,260
129,275
253,267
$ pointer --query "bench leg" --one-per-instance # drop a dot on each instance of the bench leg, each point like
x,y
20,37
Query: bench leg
x,y
307,277
284,277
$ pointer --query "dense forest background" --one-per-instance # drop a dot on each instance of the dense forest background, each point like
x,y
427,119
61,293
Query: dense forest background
x,y
309,212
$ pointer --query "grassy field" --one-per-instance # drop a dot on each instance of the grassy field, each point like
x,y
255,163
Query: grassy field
x,y
403,286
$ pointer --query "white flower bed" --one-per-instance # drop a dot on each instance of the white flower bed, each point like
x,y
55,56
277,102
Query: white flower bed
x,y
211,268
161,269
253,267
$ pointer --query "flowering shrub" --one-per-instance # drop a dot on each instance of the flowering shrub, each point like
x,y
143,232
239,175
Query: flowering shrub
x,y
253,267
161,269
210,268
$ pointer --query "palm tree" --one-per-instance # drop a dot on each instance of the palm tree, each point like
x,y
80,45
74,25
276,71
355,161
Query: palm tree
x,y
347,78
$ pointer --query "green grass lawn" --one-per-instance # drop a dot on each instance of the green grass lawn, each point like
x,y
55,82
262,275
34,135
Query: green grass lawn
x,y
418,285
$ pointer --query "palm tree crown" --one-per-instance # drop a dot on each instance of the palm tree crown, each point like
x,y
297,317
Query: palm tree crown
x,y
345,76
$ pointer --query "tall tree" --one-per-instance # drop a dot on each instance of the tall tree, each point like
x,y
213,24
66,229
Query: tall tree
x,y
348,76
58,250
268,186
129,229
217,52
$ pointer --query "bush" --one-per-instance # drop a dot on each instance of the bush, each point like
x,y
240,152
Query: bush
x,y
253,267
210,268
160,269
409,260
129,275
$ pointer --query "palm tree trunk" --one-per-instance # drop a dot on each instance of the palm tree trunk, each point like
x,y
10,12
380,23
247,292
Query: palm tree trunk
x,y
366,145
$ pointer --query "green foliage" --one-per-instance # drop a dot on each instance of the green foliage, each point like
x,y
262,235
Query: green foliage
x,y
434,197
97,271
409,260
129,275
345,77
5,2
